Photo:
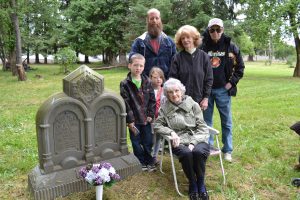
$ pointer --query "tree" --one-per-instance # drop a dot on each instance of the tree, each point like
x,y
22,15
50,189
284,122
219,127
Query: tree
x,y
269,21
18,47
7,41
42,20
283,51
93,27
246,45
66,57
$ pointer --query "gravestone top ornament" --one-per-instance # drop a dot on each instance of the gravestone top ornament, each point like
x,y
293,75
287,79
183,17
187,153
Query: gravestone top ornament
x,y
83,84
81,125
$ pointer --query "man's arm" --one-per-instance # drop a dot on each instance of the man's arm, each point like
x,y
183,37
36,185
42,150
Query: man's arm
x,y
238,67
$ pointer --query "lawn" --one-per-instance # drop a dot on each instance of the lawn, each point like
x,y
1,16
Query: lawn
x,y
265,149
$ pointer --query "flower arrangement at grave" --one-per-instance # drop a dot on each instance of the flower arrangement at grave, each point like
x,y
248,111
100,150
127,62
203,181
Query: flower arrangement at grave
x,y
99,174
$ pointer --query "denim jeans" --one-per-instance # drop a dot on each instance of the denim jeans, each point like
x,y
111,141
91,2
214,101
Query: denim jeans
x,y
142,144
223,103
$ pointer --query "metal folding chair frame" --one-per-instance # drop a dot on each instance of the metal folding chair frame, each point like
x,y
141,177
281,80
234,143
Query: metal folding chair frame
x,y
213,132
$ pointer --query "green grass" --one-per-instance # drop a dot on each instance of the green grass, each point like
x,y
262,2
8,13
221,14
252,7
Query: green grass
x,y
265,150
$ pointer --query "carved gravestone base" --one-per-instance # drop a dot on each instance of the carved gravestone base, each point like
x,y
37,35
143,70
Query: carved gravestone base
x,y
63,183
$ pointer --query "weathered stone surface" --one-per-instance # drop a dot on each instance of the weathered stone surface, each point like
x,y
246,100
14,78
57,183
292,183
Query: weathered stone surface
x,y
84,124
83,84
64,182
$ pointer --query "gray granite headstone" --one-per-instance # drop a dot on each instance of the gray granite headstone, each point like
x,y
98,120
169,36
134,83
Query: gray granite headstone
x,y
81,125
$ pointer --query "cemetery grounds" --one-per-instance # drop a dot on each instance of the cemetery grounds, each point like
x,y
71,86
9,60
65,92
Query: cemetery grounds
x,y
265,149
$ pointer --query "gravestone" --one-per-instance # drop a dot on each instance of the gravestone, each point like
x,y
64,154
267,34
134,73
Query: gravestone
x,y
81,125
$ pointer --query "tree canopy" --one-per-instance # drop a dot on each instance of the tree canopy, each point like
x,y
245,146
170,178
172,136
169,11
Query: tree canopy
x,y
108,27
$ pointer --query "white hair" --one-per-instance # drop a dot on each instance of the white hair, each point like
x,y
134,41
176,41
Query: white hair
x,y
153,10
171,83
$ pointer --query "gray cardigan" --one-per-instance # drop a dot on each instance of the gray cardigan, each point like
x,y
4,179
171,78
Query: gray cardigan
x,y
185,119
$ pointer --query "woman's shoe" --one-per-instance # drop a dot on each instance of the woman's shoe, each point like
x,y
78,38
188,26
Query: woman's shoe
x,y
194,196
203,196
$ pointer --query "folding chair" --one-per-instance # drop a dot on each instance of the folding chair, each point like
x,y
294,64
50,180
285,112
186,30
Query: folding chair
x,y
212,132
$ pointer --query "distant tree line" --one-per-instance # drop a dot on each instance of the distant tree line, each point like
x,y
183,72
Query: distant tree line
x,y
108,27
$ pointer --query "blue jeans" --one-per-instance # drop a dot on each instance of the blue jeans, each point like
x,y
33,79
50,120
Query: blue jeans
x,y
142,144
223,103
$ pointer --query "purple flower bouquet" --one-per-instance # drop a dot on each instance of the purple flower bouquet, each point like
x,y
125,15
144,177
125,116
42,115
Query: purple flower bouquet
x,y
99,174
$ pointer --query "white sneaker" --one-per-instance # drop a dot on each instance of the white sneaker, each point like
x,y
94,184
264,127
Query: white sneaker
x,y
227,157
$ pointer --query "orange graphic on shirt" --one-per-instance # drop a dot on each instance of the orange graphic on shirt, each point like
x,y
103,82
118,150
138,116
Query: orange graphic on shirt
x,y
215,62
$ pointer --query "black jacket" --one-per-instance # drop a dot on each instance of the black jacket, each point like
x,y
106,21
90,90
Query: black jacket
x,y
234,68
140,103
195,73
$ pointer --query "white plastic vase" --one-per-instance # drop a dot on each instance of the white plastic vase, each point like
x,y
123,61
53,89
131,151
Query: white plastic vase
x,y
99,192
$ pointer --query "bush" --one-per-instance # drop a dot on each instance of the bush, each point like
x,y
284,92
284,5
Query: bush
x,y
66,58
291,61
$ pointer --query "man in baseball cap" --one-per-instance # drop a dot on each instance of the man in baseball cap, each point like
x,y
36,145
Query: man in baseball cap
x,y
228,68
215,21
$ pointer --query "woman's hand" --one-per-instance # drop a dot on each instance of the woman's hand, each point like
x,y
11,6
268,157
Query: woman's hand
x,y
204,103
175,139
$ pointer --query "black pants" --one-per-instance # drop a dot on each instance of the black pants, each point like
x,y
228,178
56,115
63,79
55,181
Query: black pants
x,y
193,162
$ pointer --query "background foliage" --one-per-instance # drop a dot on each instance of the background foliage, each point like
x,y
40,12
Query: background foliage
x,y
108,27
66,58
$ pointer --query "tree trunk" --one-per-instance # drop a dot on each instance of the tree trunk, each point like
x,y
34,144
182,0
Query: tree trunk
x,y
45,59
109,57
55,48
12,61
86,59
294,26
28,56
3,64
122,58
37,58
3,58
250,58
297,68
105,57
15,21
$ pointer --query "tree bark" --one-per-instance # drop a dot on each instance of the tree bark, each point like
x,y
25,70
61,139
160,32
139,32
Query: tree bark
x,y
250,58
297,68
86,59
45,59
28,56
122,58
12,60
55,48
15,20
3,57
294,26
37,58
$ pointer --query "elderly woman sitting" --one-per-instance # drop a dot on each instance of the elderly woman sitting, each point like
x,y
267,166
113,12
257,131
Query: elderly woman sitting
x,y
181,118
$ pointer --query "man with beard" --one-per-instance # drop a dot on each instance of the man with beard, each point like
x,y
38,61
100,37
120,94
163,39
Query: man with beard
x,y
157,48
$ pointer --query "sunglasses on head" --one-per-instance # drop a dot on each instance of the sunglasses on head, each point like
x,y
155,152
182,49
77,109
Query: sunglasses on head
x,y
218,30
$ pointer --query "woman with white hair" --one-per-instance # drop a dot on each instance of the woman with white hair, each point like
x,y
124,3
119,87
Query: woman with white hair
x,y
181,118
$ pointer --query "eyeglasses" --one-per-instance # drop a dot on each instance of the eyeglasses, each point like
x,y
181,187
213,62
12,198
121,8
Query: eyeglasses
x,y
218,30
